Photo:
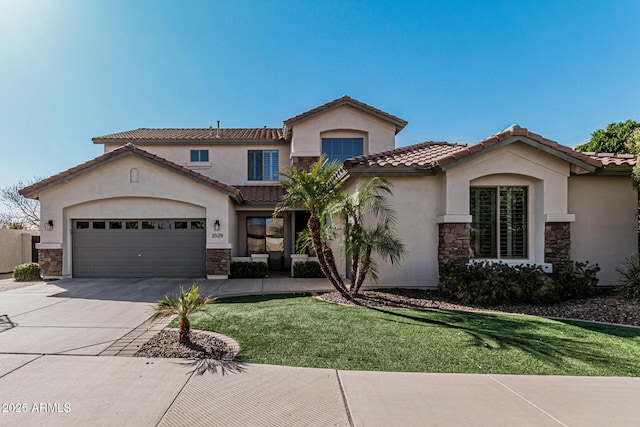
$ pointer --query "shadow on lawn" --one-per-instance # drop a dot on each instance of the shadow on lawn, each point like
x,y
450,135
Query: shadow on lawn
x,y
496,332
617,331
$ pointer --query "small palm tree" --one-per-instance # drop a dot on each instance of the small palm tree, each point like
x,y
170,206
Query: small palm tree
x,y
316,190
182,306
369,225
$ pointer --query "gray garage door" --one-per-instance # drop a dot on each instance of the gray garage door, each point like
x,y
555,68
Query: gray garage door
x,y
139,248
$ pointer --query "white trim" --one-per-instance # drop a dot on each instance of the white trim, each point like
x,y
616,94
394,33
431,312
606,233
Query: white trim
x,y
547,267
217,277
48,245
558,217
219,246
454,218
199,165
260,258
304,154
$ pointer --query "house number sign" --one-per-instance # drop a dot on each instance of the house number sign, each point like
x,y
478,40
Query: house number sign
x,y
217,235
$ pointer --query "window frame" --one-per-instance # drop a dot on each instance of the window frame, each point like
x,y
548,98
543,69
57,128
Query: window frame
x,y
341,158
264,222
264,169
496,223
202,156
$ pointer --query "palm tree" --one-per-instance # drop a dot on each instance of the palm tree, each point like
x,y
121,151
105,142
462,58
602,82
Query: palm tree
x,y
368,226
182,306
316,190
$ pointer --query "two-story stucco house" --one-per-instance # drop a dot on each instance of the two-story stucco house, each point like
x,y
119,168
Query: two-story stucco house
x,y
184,202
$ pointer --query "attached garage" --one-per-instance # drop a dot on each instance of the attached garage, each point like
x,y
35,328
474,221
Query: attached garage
x,y
129,213
139,248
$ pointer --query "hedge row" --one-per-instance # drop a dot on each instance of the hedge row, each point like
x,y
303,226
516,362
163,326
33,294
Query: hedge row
x,y
490,284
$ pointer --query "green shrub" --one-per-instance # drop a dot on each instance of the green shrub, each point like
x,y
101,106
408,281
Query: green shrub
x,y
490,284
26,272
307,269
630,277
575,280
248,270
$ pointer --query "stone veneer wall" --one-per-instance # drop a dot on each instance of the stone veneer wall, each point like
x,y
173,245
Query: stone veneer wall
x,y
50,261
453,243
218,262
557,242
303,163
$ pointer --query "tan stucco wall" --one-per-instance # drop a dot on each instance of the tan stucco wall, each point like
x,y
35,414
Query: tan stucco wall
x,y
605,230
106,192
227,163
514,159
415,200
345,121
15,248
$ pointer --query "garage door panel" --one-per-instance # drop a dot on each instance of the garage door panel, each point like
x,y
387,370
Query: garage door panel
x,y
138,252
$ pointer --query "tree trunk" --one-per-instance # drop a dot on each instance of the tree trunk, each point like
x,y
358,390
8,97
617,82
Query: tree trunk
x,y
327,265
184,331
354,269
362,271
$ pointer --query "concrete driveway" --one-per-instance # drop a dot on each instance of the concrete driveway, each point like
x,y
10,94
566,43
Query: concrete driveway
x,y
85,316
71,317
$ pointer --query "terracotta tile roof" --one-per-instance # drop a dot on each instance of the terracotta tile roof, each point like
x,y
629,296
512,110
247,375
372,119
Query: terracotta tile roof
x,y
261,194
345,100
128,149
439,154
425,155
160,136
514,131
612,159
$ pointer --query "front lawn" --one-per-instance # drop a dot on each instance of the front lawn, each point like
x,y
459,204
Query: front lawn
x,y
303,331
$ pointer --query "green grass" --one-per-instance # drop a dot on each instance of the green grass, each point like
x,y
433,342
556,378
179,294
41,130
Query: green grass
x,y
303,331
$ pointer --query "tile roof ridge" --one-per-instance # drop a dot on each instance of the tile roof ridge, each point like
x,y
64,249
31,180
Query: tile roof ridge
x,y
192,134
199,128
345,100
408,148
517,130
600,154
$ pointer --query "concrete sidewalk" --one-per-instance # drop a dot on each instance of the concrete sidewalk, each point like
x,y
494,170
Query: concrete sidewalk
x,y
106,391
50,375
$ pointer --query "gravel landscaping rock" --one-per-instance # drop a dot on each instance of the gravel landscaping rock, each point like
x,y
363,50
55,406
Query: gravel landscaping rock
x,y
7,283
609,308
203,346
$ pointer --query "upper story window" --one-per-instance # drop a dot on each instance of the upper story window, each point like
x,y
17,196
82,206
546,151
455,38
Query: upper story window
x,y
199,156
263,165
341,149
499,222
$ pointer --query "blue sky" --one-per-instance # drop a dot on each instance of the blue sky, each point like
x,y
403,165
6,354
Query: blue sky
x,y
455,70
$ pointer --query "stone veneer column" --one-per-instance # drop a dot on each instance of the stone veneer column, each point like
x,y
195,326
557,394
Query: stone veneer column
x,y
557,242
218,262
303,163
453,243
50,261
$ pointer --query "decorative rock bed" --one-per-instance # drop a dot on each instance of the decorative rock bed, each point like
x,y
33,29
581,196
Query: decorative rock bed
x,y
204,345
604,308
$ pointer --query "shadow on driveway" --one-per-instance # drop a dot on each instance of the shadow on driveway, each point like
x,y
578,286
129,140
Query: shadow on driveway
x,y
135,290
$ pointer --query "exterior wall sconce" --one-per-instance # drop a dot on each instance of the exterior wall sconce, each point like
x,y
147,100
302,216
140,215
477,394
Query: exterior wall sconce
x,y
48,225
216,225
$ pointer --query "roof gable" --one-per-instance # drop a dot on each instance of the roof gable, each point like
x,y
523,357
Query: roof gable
x,y
129,150
516,133
340,102
441,155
